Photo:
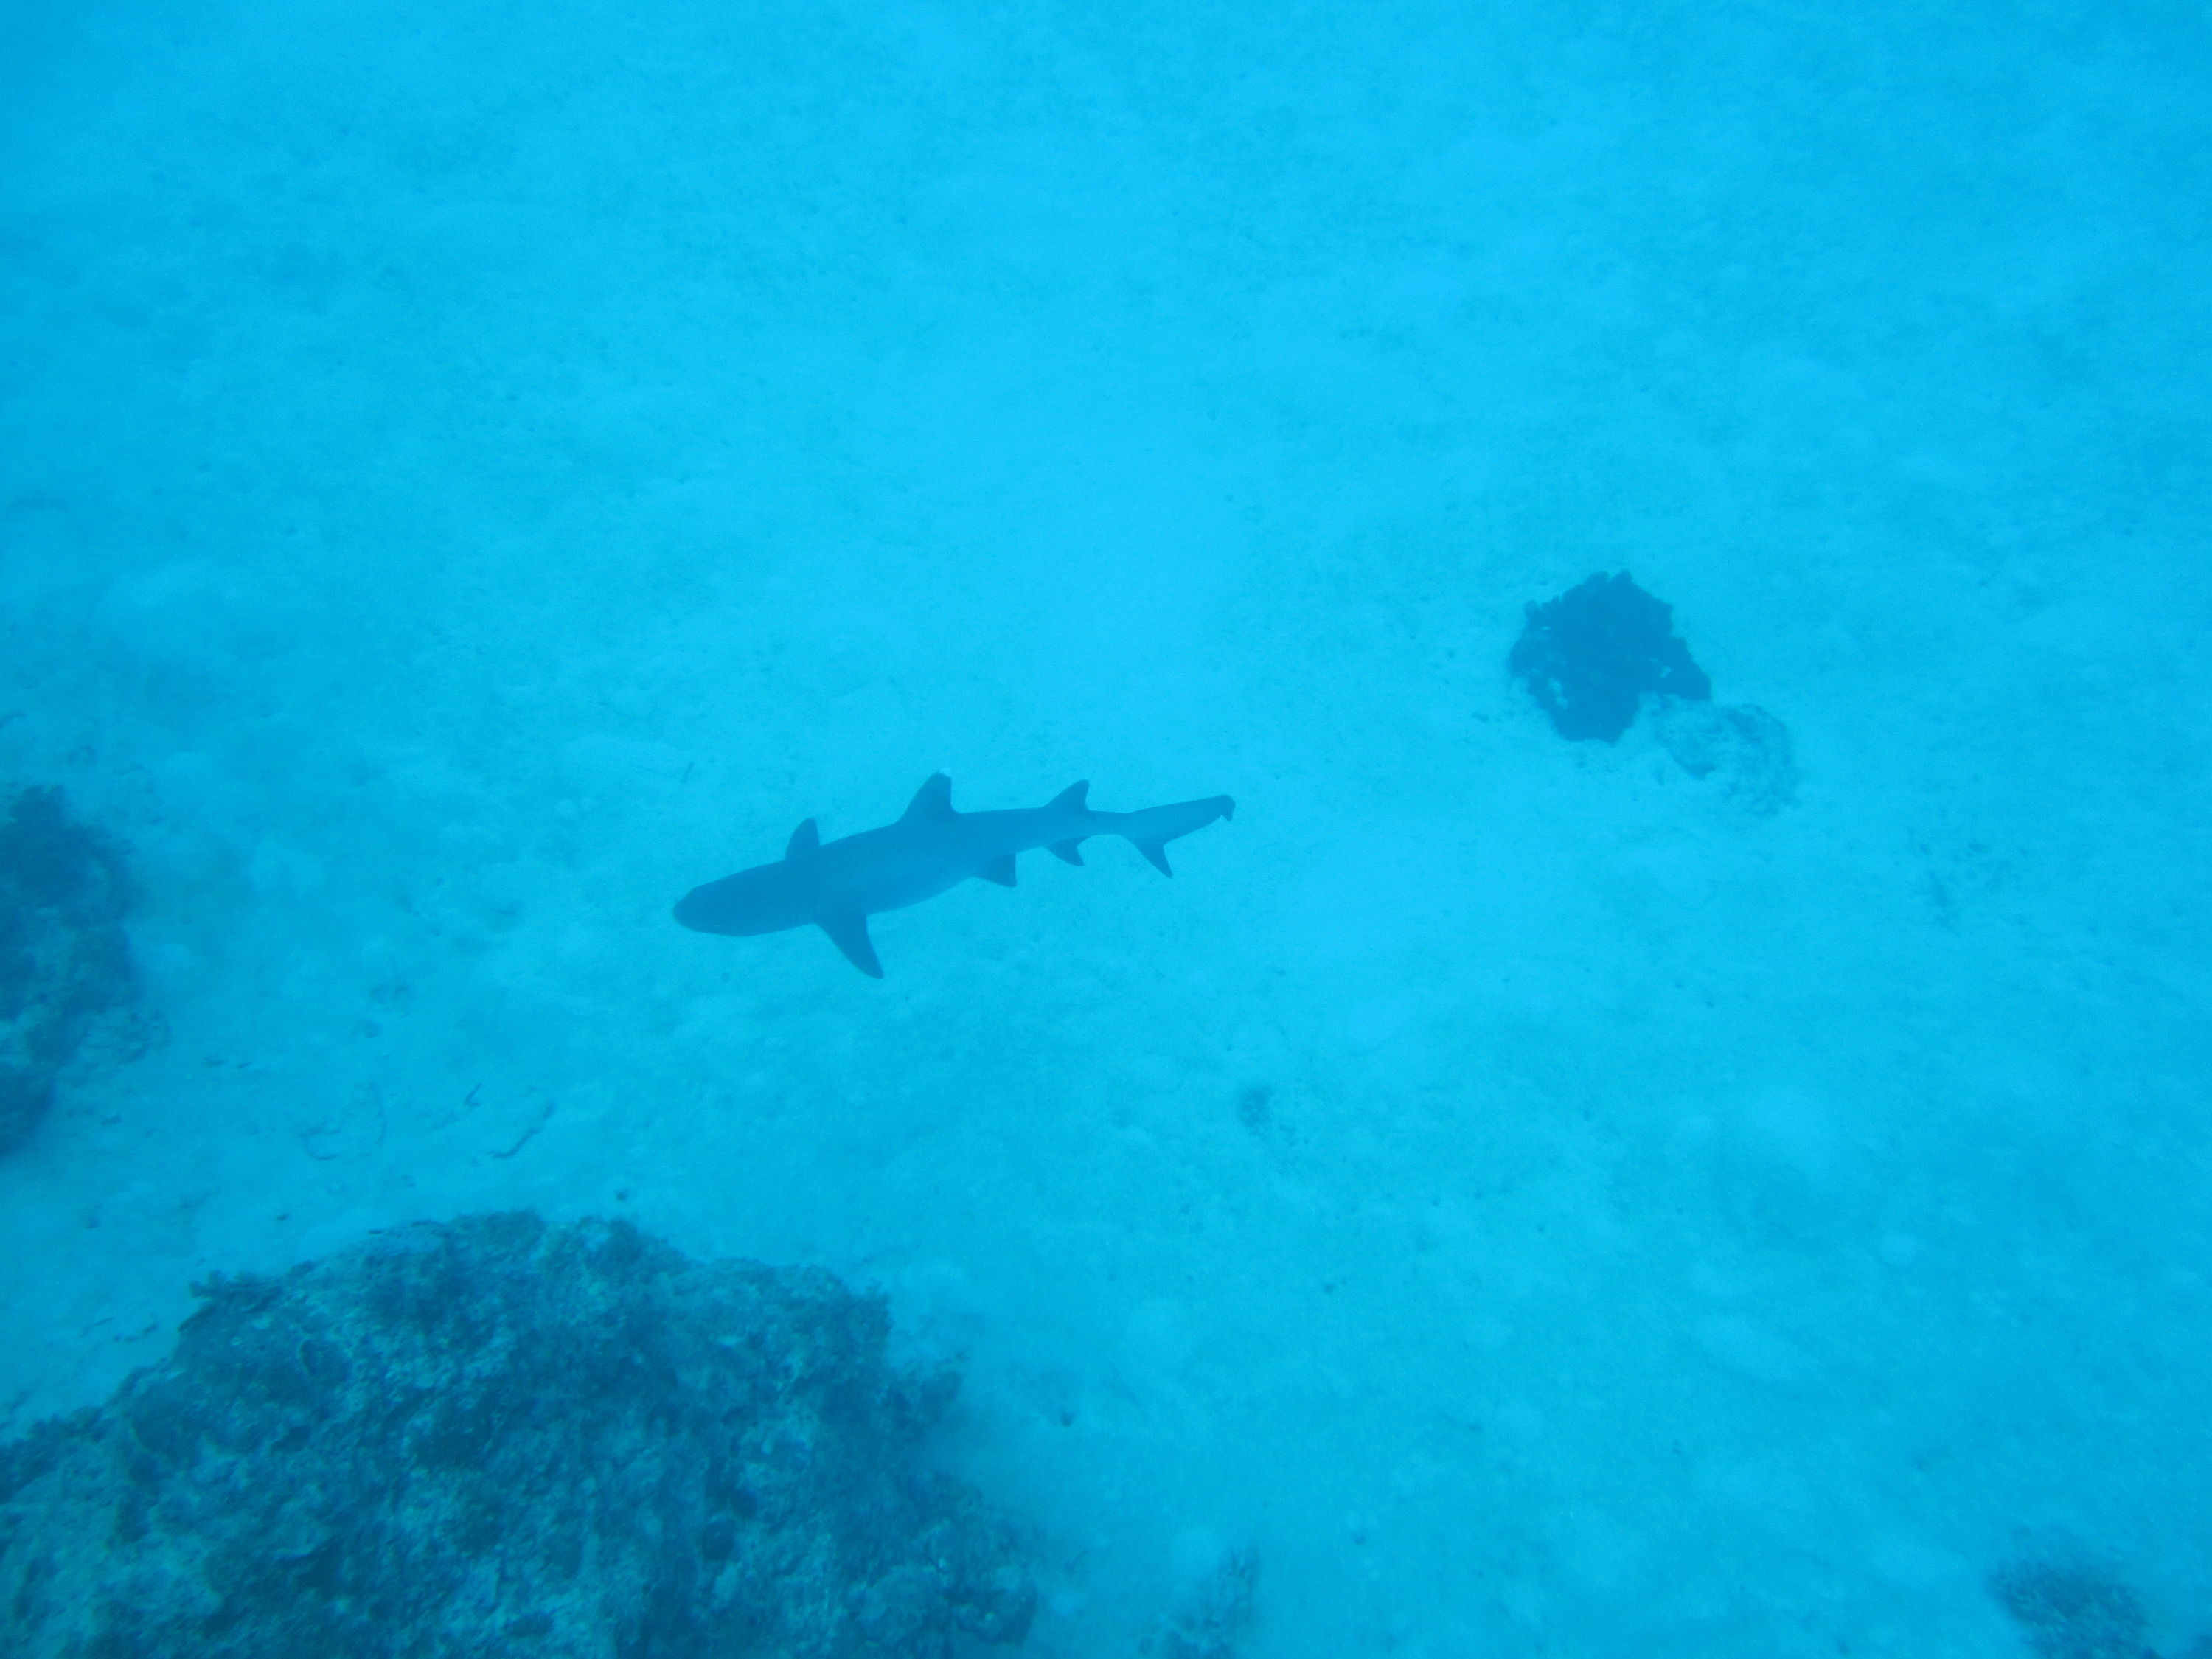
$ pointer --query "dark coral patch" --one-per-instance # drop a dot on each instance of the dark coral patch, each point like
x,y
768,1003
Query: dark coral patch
x,y
1591,656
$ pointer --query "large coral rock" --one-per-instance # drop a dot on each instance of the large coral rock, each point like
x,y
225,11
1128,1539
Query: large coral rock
x,y
497,1438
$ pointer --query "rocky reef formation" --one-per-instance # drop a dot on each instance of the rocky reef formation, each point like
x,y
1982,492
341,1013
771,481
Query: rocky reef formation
x,y
500,1438
63,957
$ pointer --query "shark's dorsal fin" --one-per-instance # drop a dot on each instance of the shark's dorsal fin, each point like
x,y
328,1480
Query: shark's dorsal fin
x,y
1074,795
849,933
1000,870
1068,851
803,840
933,800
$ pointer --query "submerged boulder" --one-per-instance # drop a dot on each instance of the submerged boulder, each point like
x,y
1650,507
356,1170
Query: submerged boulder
x,y
63,957
500,1438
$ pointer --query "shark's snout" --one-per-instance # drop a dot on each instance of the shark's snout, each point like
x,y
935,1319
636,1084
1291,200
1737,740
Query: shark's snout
x,y
695,912
762,899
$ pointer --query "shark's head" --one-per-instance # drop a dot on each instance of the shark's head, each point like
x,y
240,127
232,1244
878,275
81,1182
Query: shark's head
x,y
766,899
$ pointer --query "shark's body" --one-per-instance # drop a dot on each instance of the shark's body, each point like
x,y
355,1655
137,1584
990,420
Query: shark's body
x,y
837,885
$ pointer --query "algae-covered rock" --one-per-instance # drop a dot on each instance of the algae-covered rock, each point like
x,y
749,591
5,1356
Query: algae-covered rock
x,y
498,1437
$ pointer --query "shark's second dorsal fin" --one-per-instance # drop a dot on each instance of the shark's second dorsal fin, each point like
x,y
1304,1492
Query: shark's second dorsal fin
x,y
933,800
803,840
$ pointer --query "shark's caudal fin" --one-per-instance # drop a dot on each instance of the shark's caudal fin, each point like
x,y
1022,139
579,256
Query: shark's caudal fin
x,y
1149,831
849,933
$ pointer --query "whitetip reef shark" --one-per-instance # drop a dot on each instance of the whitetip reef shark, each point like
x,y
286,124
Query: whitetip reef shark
x,y
838,884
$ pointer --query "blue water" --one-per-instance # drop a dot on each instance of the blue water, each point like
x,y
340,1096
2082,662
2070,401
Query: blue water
x,y
469,474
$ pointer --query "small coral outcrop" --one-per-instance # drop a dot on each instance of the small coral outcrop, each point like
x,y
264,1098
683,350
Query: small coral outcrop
x,y
1214,1618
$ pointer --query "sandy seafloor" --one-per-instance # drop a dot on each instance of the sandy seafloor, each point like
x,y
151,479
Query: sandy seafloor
x,y
471,473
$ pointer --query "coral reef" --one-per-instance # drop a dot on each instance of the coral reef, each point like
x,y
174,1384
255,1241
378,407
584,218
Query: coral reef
x,y
63,957
1590,657
500,1438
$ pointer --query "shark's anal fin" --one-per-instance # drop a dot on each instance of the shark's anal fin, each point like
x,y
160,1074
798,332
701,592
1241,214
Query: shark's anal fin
x,y
1068,851
849,933
803,840
1156,852
933,800
1000,870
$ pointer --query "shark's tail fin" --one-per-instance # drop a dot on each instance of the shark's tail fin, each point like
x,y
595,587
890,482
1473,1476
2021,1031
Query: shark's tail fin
x,y
1150,830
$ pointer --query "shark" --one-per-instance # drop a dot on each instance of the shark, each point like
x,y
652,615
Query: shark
x,y
836,886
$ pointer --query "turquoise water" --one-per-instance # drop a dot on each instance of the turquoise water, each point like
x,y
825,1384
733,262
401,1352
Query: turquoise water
x,y
469,475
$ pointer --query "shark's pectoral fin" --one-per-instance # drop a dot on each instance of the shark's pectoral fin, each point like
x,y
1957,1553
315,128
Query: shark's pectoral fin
x,y
933,800
1156,853
1069,852
849,933
1000,870
803,840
